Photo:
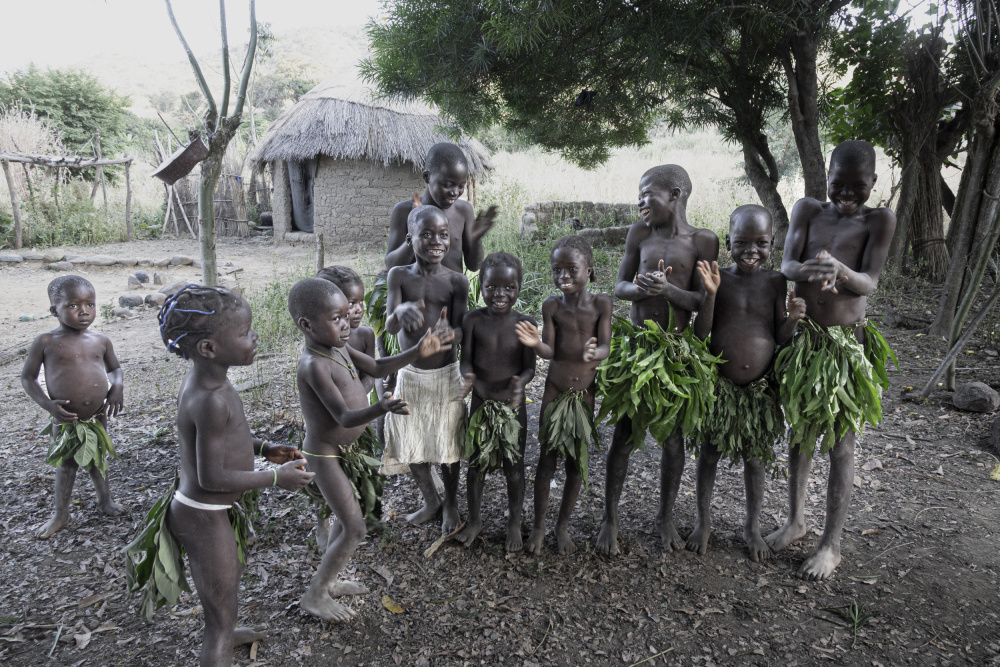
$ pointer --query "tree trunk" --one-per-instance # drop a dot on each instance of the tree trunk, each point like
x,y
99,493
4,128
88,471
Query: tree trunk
x,y
211,168
930,255
908,195
767,189
803,111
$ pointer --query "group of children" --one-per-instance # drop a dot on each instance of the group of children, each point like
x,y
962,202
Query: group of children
x,y
834,253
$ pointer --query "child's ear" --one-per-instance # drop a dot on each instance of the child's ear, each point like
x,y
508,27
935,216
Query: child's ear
x,y
52,309
675,193
874,178
427,177
303,324
409,239
728,247
206,348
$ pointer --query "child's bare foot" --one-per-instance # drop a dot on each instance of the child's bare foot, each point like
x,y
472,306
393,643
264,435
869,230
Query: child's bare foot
x,y
513,544
820,565
535,541
424,514
450,518
607,539
470,533
109,507
320,604
340,589
669,536
247,635
697,541
59,519
322,535
781,538
563,542
759,551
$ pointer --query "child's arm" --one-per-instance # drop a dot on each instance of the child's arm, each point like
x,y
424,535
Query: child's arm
x,y
459,306
833,273
711,278
398,252
527,332
29,380
116,393
321,382
626,289
657,283
211,418
787,315
472,239
465,358
274,452
433,341
407,315
599,347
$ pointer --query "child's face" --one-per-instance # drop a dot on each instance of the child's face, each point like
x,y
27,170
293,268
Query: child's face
x,y
749,242
330,325
849,187
355,295
446,184
236,341
570,272
657,205
431,242
76,308
500,289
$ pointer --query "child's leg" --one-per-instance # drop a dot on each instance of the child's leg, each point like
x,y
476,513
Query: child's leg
x,y
708,465
574,480
323,532
798,481
451,475
753,480
105,501
617,469
65,477
208,539
318,599
826,558
432,501
514,472
474,494
543,479
671,469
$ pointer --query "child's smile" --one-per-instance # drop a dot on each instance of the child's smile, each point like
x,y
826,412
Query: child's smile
x,y
849,187
570,272
749,242
447,185
500,289
654,202
331,325
432,240
355,304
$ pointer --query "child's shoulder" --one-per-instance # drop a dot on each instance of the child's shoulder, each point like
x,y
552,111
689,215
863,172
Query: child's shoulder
x,y
602,300
880,216
523,317
808,208
464,207
404,207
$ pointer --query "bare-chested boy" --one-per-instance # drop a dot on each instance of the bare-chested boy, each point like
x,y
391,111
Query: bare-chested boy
x,y
423,295
83,380
336,411
496,367
834,252
657,274
576,336
212,327
745,313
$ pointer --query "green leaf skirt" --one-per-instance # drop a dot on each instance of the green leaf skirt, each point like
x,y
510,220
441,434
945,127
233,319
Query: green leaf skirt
x,y
358,461
660,380
568,428
86,442
492,436
830,383
745,420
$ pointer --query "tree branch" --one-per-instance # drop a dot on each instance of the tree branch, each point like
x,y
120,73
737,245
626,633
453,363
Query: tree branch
x,y
224,108
212,110
241,94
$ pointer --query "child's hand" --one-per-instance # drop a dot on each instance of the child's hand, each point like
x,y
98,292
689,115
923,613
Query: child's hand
x,y
292,476
654,283
483,222
796,307
443,324
825,269
57,410
396,406
516,393
709,275
115,400
410,315
468,380
590,349
528,334
276,453
436,341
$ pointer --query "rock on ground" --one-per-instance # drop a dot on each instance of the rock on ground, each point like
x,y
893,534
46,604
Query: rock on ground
x,y
141,276
976,397
11,257
133,283
59,266
53,256
129,300
155,299
161,278
173,288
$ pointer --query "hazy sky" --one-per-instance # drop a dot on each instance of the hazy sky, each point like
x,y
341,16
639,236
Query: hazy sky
x,y
59,33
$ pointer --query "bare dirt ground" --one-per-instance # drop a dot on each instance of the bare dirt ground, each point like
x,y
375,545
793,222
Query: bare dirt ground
x,y
920,551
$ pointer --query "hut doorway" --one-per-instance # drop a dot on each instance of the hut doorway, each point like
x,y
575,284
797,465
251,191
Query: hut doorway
x,y
301,176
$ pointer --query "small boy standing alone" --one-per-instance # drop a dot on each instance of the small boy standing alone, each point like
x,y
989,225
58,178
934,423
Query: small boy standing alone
x,y
834,252
423,295
79,367
745,313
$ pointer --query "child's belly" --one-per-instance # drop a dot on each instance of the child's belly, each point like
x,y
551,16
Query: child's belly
x,y
86,388
575,375
748,355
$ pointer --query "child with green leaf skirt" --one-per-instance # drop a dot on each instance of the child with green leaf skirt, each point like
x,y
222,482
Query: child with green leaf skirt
x,y
83,387
338,443
832,375
746,314
497,367
202,514
659,377
576,336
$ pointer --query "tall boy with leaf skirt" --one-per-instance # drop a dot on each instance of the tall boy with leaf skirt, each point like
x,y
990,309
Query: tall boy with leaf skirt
x,y
832,375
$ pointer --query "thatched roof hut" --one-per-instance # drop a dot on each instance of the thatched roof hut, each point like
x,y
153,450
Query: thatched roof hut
x,y
341,159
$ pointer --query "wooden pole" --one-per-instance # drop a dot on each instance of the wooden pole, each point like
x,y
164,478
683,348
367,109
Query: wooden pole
x,y
187,222
97,174
100,172
14,204
128,204
320,260
170,208
55,191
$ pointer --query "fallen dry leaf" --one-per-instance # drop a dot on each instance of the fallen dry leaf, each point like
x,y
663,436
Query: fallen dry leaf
x,y
392,606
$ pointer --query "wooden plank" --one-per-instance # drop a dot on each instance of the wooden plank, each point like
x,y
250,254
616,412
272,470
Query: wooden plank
x,y
14,204
129,235
74,161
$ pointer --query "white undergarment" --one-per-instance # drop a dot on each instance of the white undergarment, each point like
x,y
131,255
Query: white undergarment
x,y
184,500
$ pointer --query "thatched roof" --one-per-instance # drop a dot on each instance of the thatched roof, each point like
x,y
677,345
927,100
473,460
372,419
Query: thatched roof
x,y
342,119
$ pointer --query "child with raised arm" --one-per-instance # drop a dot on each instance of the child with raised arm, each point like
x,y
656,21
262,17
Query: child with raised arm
x,y
83,387
745,312
834,252
496,367
576,336
424,295
212,327
336,413
658,276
